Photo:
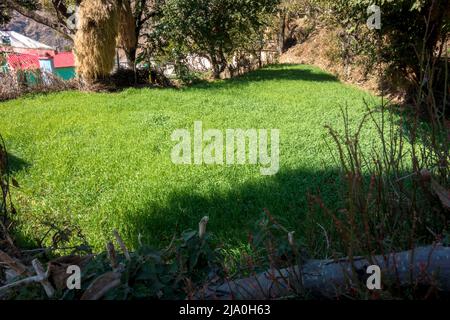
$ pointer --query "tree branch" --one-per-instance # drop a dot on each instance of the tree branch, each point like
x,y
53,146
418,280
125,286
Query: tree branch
x,y
49,22
61,8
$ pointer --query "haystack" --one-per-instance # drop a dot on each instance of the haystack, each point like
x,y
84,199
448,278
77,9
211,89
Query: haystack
x,y
95,41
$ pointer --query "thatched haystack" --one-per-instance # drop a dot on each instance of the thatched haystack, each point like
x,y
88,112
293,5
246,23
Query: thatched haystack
x,y
95,41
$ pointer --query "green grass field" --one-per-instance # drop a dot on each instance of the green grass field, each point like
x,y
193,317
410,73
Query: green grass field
x,y
102,161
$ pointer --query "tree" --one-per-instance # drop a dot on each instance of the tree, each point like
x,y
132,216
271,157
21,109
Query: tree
x,y
214,29
405,25
95,46
59,15
134,16
289,32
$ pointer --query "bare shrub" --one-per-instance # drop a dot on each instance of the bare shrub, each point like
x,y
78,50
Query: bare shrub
x,y
17,83
396,197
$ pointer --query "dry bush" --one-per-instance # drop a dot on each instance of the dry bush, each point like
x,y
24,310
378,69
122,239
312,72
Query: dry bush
x,y
13,84
9,87
397,196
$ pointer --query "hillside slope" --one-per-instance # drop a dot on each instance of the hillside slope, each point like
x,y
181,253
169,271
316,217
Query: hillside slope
x,y
322,49
38,32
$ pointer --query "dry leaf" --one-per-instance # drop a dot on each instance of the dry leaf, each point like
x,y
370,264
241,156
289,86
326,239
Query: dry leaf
x,y
100,286
17,266
58,269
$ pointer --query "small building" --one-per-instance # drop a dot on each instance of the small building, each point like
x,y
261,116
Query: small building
x,y
18,43
23,62
64,65
30,56
26,66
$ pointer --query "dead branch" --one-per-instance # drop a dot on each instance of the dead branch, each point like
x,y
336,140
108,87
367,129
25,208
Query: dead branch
x,y
40,277
26,281
111,252
202,227
122,245
44,278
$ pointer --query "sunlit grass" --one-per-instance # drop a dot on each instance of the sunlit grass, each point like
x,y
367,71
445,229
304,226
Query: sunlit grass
x,y
102,161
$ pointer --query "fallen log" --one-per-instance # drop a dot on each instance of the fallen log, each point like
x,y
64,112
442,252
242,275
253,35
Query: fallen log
x,y
427,266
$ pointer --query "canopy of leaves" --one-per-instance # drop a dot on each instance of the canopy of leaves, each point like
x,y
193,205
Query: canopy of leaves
x,y
404,24
212,28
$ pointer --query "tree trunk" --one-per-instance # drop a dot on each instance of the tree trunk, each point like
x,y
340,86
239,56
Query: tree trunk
x,y
438,11
127,37
282,33
215,66
427,266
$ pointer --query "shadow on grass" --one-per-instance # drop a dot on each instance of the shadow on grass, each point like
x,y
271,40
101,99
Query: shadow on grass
x,y
285,72
16,164
233,213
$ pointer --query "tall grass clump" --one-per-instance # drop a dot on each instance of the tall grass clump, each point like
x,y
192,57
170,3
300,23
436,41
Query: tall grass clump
x,y
95,41
16,83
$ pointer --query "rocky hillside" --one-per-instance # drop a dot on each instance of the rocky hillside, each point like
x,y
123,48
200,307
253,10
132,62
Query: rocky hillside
x,y
38,32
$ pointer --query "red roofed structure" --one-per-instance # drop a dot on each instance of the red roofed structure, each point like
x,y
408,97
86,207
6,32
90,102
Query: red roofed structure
x,y
64,60
23,53
64,65
23,61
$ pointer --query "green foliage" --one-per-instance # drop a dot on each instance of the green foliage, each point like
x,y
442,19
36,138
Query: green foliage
x,y
180,271
214,29
170,273
405,25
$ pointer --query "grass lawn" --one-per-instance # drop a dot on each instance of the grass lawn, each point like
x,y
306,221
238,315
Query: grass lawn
x,y
102,161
